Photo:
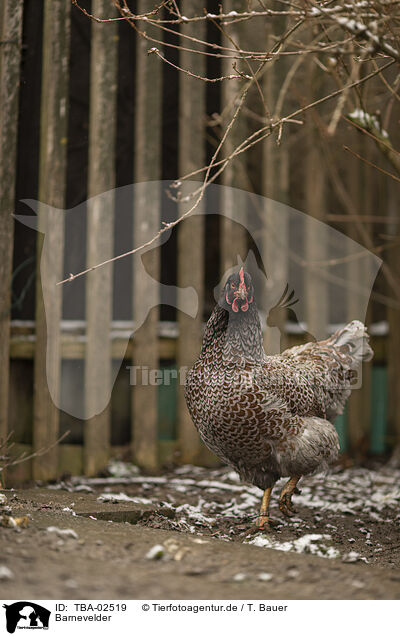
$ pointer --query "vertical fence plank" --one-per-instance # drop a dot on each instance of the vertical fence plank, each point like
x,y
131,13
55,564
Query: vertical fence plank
x,y
100,230
361,185
315,287
10,56
192,109
147,218
233,237
275,186
52,180
393,317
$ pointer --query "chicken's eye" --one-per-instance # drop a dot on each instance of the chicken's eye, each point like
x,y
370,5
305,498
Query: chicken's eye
x,y
233,285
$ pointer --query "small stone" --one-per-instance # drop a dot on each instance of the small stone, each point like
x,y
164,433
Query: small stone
x,y
240,577
156,552
71,584
292,573
22,522
358,584
8,522
5,573
264,576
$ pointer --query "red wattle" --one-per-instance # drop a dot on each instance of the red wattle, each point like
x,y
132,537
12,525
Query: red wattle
x,y
234,306
245,306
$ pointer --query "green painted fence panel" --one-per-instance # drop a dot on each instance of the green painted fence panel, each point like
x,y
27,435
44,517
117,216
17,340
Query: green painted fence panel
x,y
378,410
167,402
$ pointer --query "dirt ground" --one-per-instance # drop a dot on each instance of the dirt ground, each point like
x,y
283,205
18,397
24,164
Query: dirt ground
x,y
186,534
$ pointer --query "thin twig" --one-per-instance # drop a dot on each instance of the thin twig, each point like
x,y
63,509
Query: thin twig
x,y
253,139
23,457
371,164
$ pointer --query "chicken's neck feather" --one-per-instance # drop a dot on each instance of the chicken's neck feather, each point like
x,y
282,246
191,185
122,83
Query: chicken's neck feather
x,y
238,336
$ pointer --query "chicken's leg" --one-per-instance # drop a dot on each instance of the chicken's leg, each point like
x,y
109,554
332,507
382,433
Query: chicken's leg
x,y
263,517
285,499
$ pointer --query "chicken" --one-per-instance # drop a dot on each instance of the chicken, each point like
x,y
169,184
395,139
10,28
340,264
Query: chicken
x,y
270,416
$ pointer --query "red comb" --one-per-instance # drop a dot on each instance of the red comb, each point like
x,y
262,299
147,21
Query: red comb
x,y
241,274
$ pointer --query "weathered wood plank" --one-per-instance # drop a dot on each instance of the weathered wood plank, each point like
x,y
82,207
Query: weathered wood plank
x,y
233,236
147,219
10,56
73,348
100,232
52,180
192,108
315,286
275,187
360,186
393,317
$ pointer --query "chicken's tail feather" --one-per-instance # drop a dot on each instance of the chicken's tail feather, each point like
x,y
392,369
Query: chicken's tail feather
x,y
353,339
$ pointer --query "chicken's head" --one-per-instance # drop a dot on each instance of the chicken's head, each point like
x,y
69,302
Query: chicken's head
x,y
238,292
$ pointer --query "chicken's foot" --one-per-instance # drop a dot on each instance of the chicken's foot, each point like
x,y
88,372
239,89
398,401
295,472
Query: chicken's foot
x,y
262,522
285,499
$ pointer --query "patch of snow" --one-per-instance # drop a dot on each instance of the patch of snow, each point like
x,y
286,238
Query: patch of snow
x,y
232,476
121,496
188,469
365,120
182,482
117,468
307,544
193,513
63,532
83,488
351,557
67,509
220,485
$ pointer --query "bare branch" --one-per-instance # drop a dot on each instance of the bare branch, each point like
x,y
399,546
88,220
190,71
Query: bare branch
x,y
6,460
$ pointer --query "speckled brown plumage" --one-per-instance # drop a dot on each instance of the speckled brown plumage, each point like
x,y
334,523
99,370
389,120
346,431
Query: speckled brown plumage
x,y
268,416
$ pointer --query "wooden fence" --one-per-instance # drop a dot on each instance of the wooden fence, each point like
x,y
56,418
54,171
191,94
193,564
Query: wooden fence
x,y
148,424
